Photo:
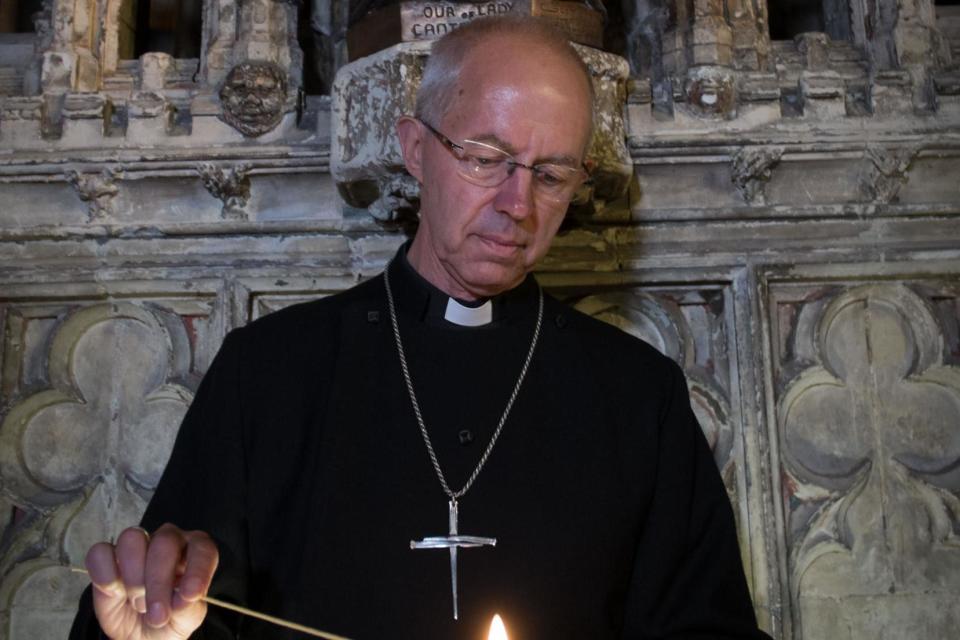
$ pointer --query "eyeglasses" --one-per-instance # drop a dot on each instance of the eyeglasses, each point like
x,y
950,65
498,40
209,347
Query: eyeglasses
x,y
485,165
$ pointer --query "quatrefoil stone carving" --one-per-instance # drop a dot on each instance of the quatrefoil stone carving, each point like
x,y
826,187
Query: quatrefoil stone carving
x,y
84,455
871,446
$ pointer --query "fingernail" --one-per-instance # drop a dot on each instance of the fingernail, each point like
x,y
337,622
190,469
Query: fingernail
x,y
157,616
190,589
140,604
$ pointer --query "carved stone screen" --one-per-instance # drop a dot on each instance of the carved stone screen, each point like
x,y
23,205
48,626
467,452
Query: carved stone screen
x,y
775,208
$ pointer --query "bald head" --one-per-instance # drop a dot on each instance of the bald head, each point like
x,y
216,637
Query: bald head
x,y
484,42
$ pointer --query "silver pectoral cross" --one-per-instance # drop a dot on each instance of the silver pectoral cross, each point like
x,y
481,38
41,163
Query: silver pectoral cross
x,y
453,542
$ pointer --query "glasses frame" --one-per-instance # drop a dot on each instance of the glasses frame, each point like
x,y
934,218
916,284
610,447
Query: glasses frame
x,y
457,149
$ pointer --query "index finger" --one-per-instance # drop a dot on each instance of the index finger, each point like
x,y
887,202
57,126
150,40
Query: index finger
x,y
101,564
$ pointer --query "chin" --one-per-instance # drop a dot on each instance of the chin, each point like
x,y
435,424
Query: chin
x,y
491,281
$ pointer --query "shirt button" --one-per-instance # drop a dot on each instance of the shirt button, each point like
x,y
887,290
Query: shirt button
x,y
466,437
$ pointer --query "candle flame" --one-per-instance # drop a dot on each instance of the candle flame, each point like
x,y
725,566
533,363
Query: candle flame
x,y
497,630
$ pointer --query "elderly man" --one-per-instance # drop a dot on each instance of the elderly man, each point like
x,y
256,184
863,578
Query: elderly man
x,y
444,442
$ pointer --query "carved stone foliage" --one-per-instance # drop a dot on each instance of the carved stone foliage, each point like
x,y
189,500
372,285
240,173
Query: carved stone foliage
x,y
870,458
92,397
230,186
254,97
399,195
752,169
97,190
689,327
885,173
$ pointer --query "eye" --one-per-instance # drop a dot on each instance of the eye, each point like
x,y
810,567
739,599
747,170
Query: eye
x,y
485,161
484,157
551,176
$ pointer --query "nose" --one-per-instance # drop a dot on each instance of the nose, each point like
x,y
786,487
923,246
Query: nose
x,y
515,194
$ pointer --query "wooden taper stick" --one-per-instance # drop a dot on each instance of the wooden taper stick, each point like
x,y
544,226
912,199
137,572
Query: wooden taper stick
x,y
310,631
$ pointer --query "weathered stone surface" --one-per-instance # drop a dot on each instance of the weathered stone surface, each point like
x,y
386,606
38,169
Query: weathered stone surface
x,y
156,71
711,41
267,32
823,94
43,594
367,98
92,402
789,235
869,447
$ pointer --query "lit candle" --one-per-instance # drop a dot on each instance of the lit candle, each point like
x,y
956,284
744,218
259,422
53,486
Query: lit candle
x,y
497,630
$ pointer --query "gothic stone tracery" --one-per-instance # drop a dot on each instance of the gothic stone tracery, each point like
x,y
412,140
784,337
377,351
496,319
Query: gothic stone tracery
x,y
870,448
775,206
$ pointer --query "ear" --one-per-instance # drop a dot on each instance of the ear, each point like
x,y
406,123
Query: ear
x,y
410,132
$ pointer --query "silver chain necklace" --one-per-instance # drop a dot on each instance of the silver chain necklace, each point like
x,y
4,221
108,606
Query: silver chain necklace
x,y
453,540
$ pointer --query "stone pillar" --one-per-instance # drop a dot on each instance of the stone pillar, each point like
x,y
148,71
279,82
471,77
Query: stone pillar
x,y
915,35
751,38
268,33
675,37
873,25
42,42
155,71
901,35
705,58
648,41
711,41
262,65
115,18
70,64
919,48
328,27
220,34
823,89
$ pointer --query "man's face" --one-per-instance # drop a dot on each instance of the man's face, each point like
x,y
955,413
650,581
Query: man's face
x,y
478,241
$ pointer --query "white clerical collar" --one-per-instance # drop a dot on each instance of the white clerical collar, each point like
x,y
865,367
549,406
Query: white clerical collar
x,y
468,316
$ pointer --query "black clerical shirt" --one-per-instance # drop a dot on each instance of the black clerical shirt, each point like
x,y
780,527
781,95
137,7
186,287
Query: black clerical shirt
x,y
301,456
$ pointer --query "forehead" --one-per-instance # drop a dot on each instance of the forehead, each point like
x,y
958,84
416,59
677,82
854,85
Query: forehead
x,y
521,92
509,57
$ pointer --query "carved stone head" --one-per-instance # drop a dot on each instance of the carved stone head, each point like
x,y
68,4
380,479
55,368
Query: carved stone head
x,y
253,97
711,93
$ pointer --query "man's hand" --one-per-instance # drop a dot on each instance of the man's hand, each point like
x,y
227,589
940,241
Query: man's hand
x,y
150,587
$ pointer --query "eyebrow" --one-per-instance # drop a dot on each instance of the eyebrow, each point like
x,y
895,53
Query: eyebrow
x,y
503,145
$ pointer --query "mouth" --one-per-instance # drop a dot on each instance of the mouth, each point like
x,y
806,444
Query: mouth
x,y
503,247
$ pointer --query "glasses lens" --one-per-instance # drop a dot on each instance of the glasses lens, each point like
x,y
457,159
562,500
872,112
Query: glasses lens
x,y
556,182
487,166
484,165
